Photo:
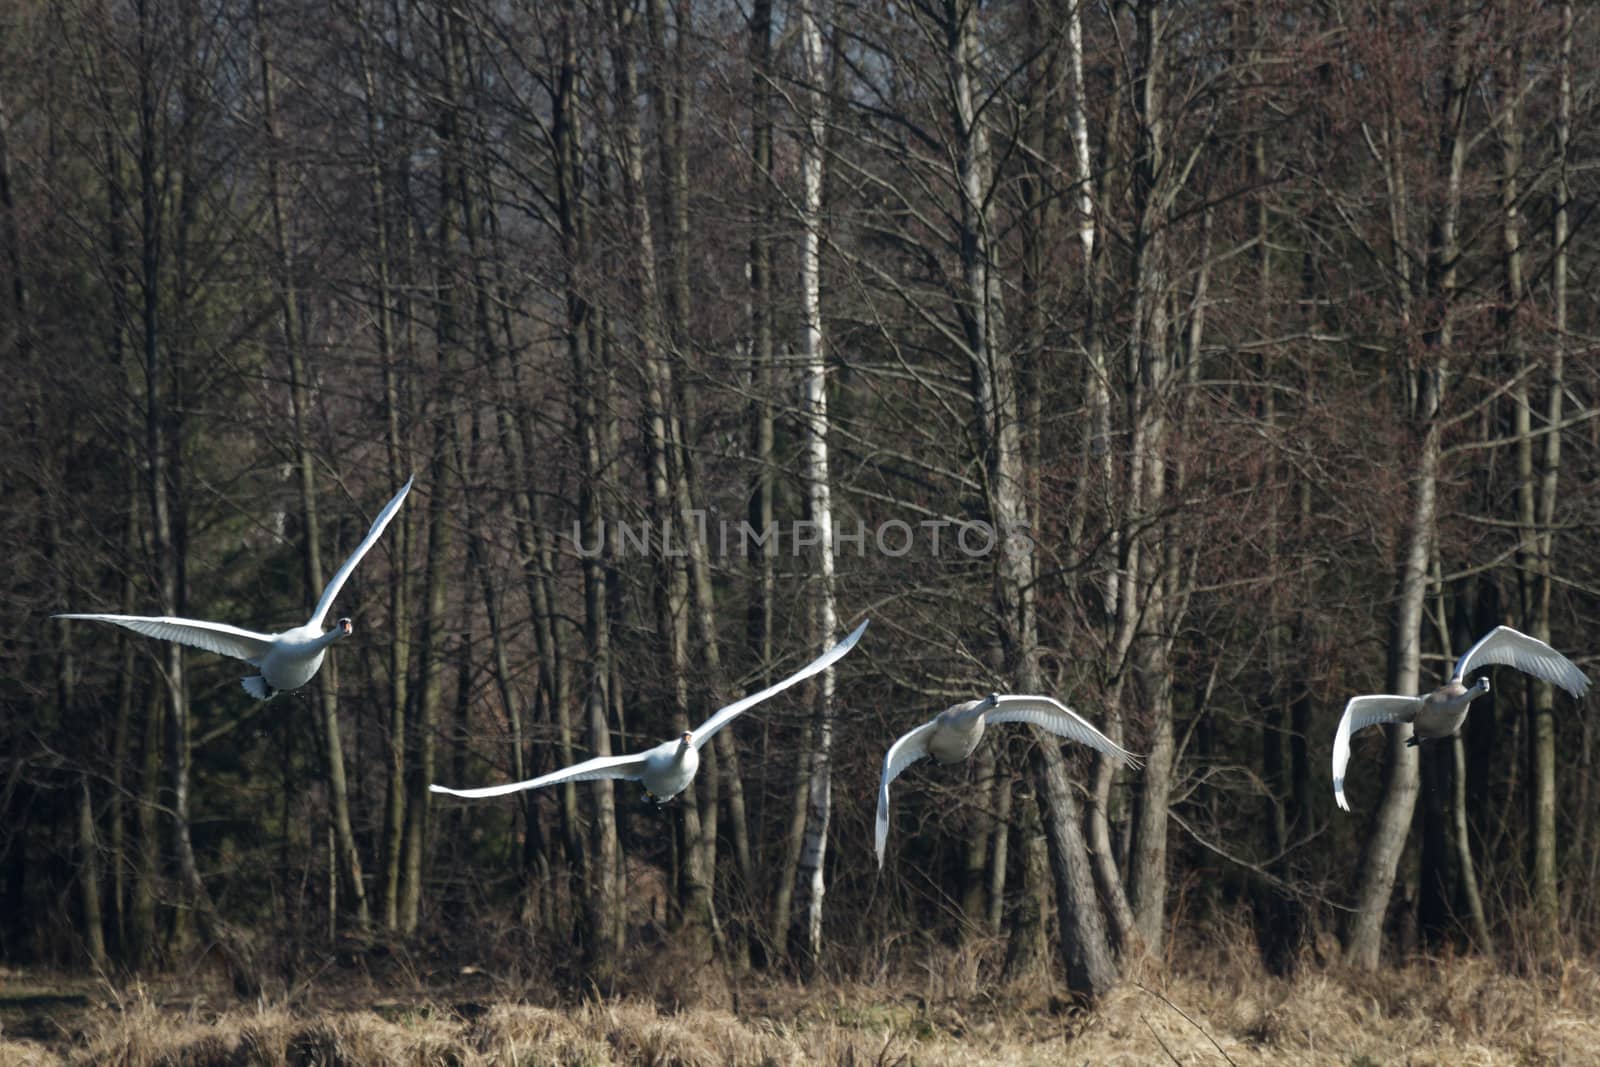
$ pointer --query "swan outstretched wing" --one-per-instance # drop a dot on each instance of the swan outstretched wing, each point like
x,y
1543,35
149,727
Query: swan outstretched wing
x,y
1050,714
331,590
708,729
902,754
625,767
1359,714
216,637
1506,647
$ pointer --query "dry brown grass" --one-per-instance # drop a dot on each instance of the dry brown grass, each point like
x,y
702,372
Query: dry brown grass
x,y
26,1054
1215,1008
1456,1012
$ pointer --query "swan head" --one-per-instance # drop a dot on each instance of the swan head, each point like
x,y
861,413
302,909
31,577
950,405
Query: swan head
x,y
990,701
685,741
1481,686
344,628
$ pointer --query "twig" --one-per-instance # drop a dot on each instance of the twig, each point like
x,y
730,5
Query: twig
x,y
1192,1023
1261,872
1160,1042
883,1053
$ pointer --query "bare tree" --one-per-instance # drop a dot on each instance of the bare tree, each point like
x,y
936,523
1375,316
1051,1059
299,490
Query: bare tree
x,y
1538,463
332,748
1425,399
385,302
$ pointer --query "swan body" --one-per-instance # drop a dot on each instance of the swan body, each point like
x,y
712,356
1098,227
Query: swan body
x,y
286,660
667,769
1441,712
670,767
954,734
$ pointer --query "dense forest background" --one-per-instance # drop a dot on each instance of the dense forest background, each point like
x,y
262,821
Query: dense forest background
x,y
1199,364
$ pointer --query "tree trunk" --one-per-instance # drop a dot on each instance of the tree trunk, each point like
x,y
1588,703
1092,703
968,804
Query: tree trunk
x,y
578,327
430,682
1376,874
1463,845
435,617
763,441
1386,840
143,934
665,474
1148,373
89,877
975,853
1455,773
399,532
601,891
86,729
793,841
721,765
1005,781
1097,445
1084,947
94,936
332,747
760,511
814,412
1556,389
122,765
1537,475
1027,949
163,470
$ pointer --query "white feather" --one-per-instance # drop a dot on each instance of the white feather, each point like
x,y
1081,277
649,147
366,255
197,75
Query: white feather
x,y
627,768
666,769
216,637
1050,714
287,660
909,748
955,733
1506,647
1360,713
336,583
723,716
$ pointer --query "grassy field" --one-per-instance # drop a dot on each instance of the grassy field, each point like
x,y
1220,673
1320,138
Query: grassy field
x,y
1215,1010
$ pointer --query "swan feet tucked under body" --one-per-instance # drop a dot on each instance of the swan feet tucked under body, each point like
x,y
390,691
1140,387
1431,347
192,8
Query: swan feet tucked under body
x,y
667,769
953,735
286,660
1441,712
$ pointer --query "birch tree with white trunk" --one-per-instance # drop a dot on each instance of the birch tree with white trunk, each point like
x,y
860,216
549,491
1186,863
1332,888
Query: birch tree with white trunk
x,y
814,413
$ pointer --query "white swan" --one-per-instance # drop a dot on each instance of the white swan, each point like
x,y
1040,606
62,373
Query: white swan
x,y
287,660
1441,712
667,769
953,735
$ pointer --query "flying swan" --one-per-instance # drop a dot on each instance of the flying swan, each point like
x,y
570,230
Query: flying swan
x,y
667,769
287,660
1441,712
953,735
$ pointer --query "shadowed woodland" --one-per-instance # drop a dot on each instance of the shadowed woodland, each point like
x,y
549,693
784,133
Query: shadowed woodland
x,y
1201,365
